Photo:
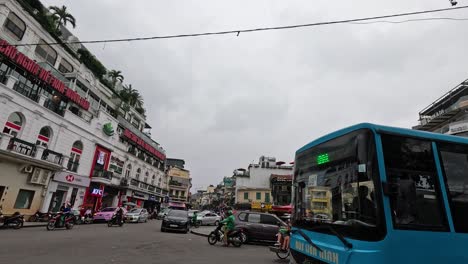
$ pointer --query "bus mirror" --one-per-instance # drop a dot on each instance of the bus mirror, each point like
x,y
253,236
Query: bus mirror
x,y
390,188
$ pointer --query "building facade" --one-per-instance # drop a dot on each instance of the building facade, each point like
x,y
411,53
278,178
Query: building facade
x,y
253,186
448,114
66,136
179,184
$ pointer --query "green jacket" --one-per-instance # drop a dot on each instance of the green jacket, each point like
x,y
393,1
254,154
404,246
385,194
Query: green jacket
x,y
229,222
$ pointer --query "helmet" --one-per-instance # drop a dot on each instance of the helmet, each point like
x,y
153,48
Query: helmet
x,y
229,212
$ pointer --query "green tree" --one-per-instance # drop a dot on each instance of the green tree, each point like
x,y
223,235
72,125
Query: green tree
x,y
133,98
62,16
115,76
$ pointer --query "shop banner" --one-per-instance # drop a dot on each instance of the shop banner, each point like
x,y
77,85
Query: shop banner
x,y
71,178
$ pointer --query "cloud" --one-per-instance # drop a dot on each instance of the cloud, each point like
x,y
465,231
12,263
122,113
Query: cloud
x,y
220,102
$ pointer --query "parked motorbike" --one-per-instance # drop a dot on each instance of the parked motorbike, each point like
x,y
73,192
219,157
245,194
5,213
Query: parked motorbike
x,y
40,217
87,219
61,220
234,237
115,221
15,221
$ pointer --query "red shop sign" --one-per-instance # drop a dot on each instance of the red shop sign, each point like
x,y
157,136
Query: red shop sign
x,y
32,67
130,135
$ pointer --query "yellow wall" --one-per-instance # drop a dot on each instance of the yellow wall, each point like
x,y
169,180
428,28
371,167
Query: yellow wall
x,y
252,196
13,180
176,172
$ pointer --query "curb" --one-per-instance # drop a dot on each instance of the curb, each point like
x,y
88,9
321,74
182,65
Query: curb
x,y
198,234
30,226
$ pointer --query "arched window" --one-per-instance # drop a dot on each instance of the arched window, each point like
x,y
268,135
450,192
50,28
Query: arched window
x,y
75,155
44,137
137,176
128,170
153,179
145,180
46,53
14,124
15,26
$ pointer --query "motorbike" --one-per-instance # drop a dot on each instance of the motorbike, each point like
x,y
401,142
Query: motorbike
x,y
87,219
15,221
40,217
281,254
195,223
234,237
56,221
115,221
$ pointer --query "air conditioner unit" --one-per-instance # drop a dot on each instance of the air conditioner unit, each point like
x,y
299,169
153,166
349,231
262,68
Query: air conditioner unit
x,y
40,176
28,169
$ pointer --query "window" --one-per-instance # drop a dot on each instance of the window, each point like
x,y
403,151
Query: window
x,y
46,52
15,26
455,165
331,168
242,217
44,137
24,199
153,178
128,170
246,196
258,196
417,203
137,176
75,155
13,124
65,66
254,218
268,220
267,197
146,177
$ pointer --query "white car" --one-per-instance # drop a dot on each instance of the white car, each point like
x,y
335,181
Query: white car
x,y
209,218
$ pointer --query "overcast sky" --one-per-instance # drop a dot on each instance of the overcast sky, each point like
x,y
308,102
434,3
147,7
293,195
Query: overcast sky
x,y
220,102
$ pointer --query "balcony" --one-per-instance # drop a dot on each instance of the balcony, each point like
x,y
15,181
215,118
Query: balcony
x,y
22,147
134,183
102,174
52,156
73,166
54,107
124,182
151,188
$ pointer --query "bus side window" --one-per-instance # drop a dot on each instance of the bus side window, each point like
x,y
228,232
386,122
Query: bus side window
x,y
418,204
454,160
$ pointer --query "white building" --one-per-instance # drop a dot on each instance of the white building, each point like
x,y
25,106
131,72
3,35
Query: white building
x,y
254,183
65,136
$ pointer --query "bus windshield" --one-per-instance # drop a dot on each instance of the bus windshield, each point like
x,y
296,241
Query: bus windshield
x,y
334,184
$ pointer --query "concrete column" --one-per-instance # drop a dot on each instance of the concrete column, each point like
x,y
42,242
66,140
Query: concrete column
x,y
11,81
39,150
65,160
4,140
51,188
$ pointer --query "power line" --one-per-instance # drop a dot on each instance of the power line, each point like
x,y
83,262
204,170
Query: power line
x,y
237,32
410,20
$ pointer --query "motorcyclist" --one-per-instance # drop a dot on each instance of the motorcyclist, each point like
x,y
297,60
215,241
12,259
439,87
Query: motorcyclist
x,y
229,226
194,218
119,215
65,210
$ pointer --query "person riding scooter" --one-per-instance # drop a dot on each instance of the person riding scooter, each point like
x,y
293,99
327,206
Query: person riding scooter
x,y
229,226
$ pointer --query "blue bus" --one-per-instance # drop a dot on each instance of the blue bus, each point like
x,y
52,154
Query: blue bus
x,y
378,194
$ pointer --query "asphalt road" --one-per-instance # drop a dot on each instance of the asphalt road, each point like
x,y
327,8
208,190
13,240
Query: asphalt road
x,y
132,243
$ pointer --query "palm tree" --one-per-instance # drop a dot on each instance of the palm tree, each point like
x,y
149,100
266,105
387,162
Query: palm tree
x,y
62,16
115,76
132,97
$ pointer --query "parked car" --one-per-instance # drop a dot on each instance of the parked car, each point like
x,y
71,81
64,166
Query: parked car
x,y
106,214
209,218
176,220
258,226
137,215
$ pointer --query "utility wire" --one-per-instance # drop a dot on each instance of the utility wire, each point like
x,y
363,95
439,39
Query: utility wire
x,y
237,32
410,20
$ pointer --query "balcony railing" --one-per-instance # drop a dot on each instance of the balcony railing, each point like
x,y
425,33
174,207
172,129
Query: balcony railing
x,y
22,147
73,165
54,107
134,182
52,156
124,182
27,91
102,174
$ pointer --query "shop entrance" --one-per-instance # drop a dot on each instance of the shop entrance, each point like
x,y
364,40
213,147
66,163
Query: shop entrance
x,y
58,198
